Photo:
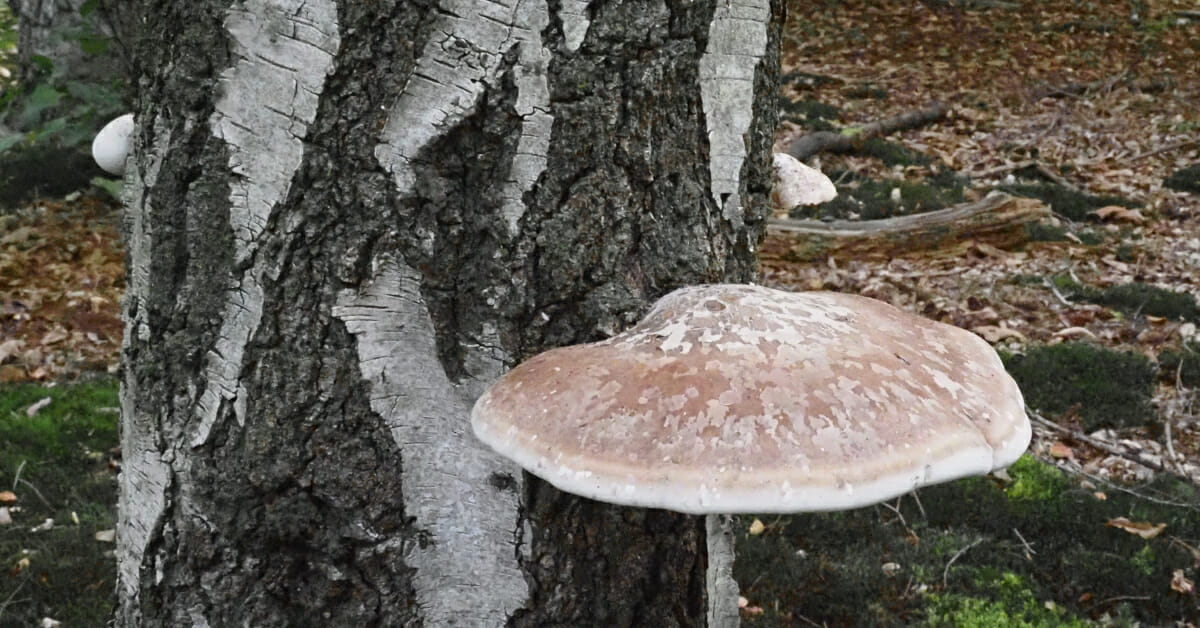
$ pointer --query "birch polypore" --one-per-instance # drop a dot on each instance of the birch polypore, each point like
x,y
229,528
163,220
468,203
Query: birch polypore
x,y
738,398
111,145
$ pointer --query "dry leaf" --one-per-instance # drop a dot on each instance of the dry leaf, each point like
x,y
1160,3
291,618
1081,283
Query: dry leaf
x,y
1059,450
106,536
1116,213
1100,495
1074,332
757,527
1144,529
994,334
1180,584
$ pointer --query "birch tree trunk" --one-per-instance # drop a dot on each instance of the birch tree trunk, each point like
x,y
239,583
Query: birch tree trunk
x,y
345,219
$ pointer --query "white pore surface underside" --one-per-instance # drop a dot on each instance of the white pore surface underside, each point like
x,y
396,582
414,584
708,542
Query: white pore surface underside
x,y
467,574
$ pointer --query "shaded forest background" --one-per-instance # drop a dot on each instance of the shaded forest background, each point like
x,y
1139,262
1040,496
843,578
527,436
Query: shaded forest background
x,y
1090,108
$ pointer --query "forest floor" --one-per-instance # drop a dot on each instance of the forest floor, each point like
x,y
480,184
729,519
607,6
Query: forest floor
x,y
1078,533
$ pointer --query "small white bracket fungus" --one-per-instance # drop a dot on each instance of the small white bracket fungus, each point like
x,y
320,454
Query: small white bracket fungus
x,y
798,184
111,146
739,398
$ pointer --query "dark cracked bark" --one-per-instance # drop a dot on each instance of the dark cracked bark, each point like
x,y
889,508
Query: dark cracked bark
x,y
322,280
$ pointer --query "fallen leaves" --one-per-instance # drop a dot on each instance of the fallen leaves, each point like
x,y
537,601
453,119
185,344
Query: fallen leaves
x,y
1144,529
61,277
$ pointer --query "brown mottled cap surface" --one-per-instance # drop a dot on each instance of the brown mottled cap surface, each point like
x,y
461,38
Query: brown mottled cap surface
x,y
739,398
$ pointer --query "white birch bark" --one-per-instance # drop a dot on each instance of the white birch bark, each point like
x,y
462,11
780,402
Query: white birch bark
x,y
284,49
459,63
467,574
737,42
144,475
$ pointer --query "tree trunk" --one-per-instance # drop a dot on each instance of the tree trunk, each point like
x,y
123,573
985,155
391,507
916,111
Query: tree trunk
x,y
345,219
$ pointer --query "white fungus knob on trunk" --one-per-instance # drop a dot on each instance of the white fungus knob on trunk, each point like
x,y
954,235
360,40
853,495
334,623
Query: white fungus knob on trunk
x,y
111,146
797,184
739,398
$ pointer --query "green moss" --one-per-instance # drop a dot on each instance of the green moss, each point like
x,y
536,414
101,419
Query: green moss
x,y
56,463
1069,203
1143,298
894,153
1185,180
1181,363
1108,388
1143,560
1034,480
1134,298
807,112
1042,232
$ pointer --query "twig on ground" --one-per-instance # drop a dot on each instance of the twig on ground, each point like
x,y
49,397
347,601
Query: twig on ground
x,y
810,144
946,571
1132,456
17,477
38,493
1165,149
1029,552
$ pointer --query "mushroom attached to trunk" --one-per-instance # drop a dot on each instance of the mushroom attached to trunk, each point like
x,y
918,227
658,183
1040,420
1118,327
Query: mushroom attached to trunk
x,y
795,183
739,398
111,145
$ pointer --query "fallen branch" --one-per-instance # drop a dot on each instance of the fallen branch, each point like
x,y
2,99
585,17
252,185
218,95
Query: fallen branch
x,y
1132,456
999,220
806,146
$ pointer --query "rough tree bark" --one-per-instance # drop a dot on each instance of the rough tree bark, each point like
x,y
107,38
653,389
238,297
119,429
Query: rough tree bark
x,y
345,219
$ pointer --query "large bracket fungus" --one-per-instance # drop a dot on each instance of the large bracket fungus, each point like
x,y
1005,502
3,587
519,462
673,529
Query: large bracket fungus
x,y
739,398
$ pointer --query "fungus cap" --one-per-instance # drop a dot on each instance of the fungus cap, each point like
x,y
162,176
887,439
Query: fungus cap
x,y
798,184
739,398
111,145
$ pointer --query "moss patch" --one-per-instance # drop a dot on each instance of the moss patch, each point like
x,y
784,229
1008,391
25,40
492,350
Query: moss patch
x,y
1108,388
61,455
1185,180
1037,555
1135,298
1069,203
870,199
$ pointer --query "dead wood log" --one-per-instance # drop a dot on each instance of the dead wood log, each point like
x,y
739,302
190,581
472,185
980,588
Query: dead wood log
x,y
808,145
999,220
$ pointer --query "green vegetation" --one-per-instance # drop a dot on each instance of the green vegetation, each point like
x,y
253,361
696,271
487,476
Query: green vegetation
x,y
1036,551
1107,388
870,199
55,461
54,116
809,113
1185,180
1134,298
1182,363
1074,205
896,154
1014,606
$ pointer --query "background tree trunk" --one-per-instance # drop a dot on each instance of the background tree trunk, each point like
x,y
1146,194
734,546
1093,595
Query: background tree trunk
x,y
345,219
